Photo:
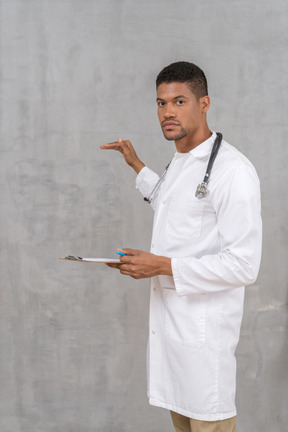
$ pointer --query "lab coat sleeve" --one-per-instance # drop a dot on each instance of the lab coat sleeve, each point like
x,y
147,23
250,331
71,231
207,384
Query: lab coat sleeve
x,y
237,205
146,181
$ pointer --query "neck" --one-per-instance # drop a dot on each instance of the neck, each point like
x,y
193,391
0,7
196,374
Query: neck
x,y
188,143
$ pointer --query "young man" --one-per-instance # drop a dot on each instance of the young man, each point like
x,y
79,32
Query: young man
x,y
205,248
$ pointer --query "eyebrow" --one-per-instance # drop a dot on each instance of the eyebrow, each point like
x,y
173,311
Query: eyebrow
x,y
175,98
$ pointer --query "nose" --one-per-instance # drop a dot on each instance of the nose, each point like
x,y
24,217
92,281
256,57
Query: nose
x,y
169,111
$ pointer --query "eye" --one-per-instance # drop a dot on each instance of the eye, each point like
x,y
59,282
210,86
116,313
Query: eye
x,y
180,102
160,104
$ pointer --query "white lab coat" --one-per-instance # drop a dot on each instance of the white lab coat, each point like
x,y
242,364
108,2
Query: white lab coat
x,y
215,246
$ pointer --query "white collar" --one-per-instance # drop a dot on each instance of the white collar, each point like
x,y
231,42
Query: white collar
x,y
204,148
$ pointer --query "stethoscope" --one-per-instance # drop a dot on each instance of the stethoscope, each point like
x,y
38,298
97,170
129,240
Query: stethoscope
x,y
202,187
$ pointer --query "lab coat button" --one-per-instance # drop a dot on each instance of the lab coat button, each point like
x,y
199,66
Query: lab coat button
x,y
153,331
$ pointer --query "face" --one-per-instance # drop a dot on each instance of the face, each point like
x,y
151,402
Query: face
x,y
180,113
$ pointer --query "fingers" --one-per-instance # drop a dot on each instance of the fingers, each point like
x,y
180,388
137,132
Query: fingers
x,y
127,150
128,270
126,147
130,264
119,145
126,273
131,256
112,146
114,265
124,269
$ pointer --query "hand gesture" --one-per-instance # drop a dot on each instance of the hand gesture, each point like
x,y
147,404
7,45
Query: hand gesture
x,y
125,147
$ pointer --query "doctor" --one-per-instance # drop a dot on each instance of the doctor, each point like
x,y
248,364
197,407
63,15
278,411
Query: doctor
x,y
205,249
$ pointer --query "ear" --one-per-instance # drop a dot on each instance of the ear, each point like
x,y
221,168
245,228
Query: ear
x,y
205,103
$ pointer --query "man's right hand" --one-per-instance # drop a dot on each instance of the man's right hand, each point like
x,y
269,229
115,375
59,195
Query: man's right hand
x,y
125,147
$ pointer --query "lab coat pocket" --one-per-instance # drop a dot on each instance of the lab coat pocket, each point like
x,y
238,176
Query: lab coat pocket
x,y
185,319
184,221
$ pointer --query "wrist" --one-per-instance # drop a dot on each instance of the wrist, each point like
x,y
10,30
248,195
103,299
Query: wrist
x,y
165,266
137,166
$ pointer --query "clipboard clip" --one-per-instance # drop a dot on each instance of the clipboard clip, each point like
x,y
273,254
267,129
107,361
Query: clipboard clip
x,y
73,258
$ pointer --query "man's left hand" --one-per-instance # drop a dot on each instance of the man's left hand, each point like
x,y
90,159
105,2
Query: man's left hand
x,y
139,264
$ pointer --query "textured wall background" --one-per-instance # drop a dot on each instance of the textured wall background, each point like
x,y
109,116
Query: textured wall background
x,y
76,74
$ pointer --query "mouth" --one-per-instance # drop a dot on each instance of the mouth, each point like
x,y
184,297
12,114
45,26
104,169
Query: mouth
x,y
169,125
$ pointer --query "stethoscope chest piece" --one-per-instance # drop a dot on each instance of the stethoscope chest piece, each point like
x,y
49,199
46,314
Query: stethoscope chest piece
x,y
202,187
201,190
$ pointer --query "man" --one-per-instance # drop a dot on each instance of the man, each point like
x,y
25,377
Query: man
x,y
205,249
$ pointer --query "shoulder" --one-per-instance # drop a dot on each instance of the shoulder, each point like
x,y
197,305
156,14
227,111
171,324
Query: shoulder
x,y
230,160
233,175
230,154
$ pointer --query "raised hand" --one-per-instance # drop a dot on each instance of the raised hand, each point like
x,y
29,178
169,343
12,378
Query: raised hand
x,y
125,147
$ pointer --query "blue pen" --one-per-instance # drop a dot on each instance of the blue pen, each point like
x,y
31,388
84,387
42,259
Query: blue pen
x,y
121,253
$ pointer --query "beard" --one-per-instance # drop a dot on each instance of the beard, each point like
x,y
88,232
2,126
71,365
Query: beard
x,y
174,136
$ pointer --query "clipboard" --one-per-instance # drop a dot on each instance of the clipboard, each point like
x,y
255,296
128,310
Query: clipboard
x,y
91,260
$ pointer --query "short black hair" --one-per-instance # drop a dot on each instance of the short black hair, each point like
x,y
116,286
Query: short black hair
x,y
185,72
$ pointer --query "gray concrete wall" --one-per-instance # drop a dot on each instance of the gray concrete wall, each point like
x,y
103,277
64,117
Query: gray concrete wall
x,y
79,73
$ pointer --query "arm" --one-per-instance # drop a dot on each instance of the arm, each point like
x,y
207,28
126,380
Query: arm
x,y
146,178
238,209
236,265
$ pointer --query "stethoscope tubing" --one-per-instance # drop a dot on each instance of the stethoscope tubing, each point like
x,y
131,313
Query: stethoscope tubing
x,y
202,188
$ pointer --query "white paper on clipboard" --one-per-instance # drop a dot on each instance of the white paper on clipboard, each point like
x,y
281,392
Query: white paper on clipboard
x,y
91,260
